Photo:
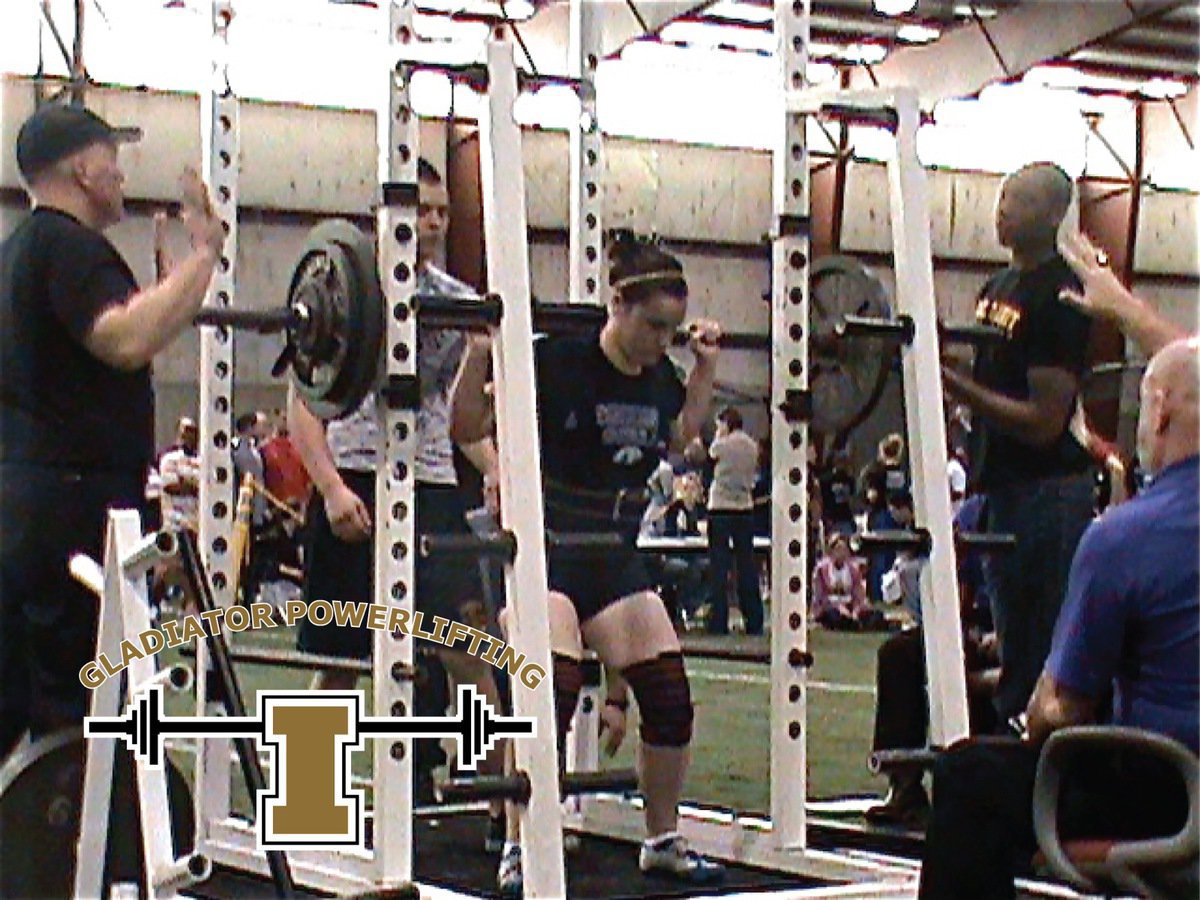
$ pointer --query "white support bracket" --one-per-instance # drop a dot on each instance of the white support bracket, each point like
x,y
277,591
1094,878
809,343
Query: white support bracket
x,y
124,615
220,160
790,263
397,135
586,247
521,507
923,402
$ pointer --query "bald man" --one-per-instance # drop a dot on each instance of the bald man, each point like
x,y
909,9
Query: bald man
x,y
1129,628
76,402
1022,392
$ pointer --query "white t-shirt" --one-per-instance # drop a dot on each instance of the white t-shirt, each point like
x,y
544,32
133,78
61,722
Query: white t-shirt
x,y
736,456
356,442
958,483
178,467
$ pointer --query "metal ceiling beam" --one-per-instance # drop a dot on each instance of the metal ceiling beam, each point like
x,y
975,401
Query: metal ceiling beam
x,y
965,60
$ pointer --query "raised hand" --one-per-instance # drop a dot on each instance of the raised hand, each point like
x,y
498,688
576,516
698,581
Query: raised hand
x,y
1103,295
204,226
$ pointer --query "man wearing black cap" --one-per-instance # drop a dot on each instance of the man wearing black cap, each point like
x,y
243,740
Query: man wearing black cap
x,y
76,402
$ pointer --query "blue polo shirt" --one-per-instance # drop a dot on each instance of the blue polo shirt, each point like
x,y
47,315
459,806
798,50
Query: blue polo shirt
x,y
1131,617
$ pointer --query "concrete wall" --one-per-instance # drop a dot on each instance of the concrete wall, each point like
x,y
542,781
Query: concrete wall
x,y
300,164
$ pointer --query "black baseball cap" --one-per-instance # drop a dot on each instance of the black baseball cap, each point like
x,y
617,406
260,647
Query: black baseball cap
x,y
55,131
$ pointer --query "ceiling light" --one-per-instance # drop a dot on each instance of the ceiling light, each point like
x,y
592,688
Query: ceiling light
x,y
740,12
1163,89
518,10
917,34
700,34
894,7
865,53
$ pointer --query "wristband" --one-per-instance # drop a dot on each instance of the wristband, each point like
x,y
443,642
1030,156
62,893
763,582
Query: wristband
x,y
622,705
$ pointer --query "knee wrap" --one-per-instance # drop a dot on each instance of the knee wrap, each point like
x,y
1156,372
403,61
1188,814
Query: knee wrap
x,y
568,681
664,700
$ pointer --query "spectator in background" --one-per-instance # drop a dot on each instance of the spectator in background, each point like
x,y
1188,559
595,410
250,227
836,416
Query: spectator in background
x,y
283,471
839,596
179,479
901,701
1022,391
886,474
731,524
251,431
956,474
837,494
901,584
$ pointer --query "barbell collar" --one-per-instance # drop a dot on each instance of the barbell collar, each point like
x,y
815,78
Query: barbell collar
x,y
900,329
516,788
884,117
608,781
985,542
920,541
470,313
502,546
882,761
975,335
917,540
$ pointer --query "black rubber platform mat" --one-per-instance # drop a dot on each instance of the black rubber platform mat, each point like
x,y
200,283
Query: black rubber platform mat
x,y
452,856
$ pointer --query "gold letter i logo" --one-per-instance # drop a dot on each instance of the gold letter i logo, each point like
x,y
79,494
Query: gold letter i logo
x,y
310,802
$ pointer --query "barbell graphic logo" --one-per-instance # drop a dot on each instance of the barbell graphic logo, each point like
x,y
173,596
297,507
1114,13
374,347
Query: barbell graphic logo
x,y
311,737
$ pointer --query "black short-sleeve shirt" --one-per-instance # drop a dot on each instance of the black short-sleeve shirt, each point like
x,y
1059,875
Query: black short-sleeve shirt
x,y
59,404
602,432
1040,331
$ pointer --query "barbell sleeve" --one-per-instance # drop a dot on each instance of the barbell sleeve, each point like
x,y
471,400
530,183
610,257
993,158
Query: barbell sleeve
x,y
263,321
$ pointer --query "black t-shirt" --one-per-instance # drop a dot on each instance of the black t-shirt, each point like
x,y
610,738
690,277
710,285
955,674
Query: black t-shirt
x,y
602,432
1042,331
886,480
59,404
837,495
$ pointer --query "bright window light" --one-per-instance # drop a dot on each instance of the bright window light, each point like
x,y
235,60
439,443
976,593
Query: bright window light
x,y
1005,128
1071,78
443,28
554,106
865,53
894,7
740,12
854,53
431,94
917,34
1163,89
700,34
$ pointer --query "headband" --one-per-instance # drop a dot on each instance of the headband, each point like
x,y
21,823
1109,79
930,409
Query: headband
x,y
661,275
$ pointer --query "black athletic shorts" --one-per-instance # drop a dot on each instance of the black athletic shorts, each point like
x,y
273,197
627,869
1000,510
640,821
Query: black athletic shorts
x,y
337,570
594,583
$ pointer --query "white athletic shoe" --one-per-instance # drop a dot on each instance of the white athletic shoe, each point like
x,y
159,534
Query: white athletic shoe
x,y
510,879
668,854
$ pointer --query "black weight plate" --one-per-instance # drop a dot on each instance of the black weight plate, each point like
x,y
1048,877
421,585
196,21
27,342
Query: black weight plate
x,y
337,359
846,375
41,790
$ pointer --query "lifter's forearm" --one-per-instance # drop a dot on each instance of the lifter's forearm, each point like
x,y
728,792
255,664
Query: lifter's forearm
x,y
307,434
1020,419
130,335
471,407
698,401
